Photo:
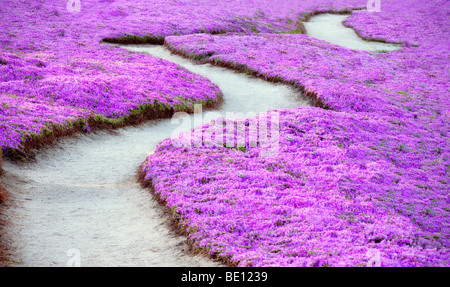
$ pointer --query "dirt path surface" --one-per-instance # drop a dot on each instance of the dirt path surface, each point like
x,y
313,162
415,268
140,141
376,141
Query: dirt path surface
x,y
329,27
79,202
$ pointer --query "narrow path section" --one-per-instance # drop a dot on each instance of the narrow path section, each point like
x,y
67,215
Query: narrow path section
x,y
79,202
242,93
329,27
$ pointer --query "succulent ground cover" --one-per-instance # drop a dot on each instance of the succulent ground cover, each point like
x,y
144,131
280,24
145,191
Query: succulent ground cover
x,y
39,96
50,51
364,176
367,175
55,74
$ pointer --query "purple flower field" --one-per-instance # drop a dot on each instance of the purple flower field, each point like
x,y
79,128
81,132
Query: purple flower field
x,y
363,174
370,173
56,73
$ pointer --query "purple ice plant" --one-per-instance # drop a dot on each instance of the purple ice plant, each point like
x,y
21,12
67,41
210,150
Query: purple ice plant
x,y
369,173
359,180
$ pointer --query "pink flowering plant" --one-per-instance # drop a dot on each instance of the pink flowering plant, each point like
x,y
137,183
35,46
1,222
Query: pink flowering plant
x,y
369,173
359,180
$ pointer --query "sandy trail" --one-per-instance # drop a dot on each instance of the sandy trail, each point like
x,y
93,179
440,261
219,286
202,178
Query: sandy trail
x,y
329,27
80,202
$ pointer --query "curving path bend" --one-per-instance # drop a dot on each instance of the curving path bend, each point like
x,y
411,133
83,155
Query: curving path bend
x,y
79,202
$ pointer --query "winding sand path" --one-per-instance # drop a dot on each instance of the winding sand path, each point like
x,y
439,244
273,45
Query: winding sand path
x,y
79,202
